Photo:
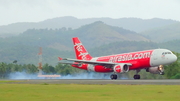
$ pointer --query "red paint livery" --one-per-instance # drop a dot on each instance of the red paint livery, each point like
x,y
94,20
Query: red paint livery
x,y
151,60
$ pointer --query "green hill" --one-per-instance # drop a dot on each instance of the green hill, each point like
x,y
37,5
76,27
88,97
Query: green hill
x,y
122,47
130,46
164,34
95,34
98,37
99,33
25,46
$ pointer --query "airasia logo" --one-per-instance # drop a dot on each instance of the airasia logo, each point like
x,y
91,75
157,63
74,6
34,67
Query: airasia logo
x,y
81,51
118,69
78,46
130,56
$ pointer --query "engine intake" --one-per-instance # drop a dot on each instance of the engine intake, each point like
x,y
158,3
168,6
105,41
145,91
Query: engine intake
x,y
156,70
121,68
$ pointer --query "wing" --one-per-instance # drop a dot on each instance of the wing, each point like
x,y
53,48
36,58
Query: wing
x,y
94,62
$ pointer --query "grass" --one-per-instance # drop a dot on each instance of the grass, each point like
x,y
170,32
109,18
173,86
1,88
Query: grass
x,y
9,81
77,92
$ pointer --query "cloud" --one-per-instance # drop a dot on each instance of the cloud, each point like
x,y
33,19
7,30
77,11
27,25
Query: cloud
x,y
37,10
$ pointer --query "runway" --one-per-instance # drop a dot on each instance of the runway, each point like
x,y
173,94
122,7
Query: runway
x,y
93,81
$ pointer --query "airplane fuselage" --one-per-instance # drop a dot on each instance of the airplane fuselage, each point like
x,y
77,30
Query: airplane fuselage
x,y
139,60
151,60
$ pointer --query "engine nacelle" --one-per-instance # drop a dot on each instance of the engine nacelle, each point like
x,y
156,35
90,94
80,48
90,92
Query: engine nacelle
x,y
98,68
156,70
121,68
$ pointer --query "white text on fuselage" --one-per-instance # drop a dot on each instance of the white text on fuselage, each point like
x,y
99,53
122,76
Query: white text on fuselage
x,y
128,57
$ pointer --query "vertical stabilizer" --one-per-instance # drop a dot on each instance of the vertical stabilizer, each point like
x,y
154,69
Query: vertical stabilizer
x,y
80,51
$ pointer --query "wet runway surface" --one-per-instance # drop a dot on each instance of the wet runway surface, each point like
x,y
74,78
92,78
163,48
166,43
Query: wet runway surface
x,y
93,81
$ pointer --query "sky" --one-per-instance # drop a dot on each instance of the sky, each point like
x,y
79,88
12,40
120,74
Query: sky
x,y
13,11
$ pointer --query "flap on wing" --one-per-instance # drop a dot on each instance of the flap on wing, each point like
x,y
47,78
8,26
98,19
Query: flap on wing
x,y
69,63
95,62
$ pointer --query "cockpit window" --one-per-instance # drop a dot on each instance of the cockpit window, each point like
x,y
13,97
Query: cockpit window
x,y
164,53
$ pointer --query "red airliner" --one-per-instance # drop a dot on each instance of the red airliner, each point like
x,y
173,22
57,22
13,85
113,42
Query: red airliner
x,y
151,60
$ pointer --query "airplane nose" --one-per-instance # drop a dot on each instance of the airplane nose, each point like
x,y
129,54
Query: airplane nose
x,y
174,58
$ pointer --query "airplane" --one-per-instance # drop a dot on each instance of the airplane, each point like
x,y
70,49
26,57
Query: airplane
x,y
151,60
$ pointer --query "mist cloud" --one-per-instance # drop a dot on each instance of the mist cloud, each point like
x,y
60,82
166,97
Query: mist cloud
x,y
37,10
90,75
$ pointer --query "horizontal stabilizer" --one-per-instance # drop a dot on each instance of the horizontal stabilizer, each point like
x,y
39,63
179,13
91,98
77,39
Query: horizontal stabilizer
x,y
59,58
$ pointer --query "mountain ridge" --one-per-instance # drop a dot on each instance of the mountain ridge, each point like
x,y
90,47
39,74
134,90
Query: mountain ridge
x,y
133,24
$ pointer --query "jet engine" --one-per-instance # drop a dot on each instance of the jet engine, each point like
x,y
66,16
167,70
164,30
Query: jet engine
x,y
121,68
156,70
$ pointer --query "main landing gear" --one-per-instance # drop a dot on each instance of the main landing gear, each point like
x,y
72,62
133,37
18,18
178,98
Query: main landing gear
x,y
113,76
137,76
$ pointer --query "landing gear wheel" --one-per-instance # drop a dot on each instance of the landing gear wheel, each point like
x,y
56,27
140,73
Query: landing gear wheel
x,y
137,76
113,76
161,73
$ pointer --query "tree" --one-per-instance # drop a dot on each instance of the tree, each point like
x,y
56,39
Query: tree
x,y
2,70
31,68
173,70
66,69
48,69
